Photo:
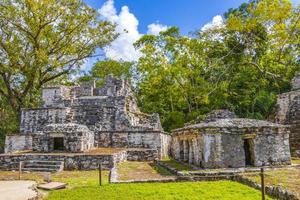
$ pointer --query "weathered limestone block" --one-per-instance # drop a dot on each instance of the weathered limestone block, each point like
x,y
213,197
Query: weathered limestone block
x,y
54,96
142,155
33,120
288,112
76,138
15,143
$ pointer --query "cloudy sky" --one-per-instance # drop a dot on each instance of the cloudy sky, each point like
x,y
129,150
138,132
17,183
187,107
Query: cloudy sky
x,y
137,17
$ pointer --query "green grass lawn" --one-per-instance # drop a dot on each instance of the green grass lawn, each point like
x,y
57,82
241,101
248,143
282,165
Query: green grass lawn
x,y
160,191
84,185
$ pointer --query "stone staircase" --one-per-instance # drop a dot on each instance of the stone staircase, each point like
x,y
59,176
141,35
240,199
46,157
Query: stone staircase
x,y
43,166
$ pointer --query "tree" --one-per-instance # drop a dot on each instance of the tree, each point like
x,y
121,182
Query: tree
x,y
171,77
259,48
118,69
241,65
41,41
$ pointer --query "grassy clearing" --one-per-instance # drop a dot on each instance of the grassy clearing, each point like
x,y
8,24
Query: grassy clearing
x,y
286,178
140,170
225,190
84,185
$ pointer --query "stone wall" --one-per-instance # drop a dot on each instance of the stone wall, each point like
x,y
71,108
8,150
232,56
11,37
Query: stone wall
x,y
224,147
144,139
15,143
76,138
142,155
71,161
284,102
80,161
287,111
272,149
55,96
34,120
276,192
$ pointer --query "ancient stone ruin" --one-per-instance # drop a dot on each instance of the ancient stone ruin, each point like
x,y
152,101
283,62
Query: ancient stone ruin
x,y
81,118
74,122
288,112
223,141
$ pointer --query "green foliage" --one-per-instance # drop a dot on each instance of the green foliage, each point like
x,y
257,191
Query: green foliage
x,y
8,123
241,66
41,41
101,69
172,120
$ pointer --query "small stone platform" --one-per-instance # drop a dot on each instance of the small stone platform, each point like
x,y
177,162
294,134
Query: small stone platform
x,y
108,157
52,186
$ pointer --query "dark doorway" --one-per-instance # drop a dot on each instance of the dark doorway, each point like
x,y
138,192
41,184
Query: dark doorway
x,y
186,148
248,148
58,144
181,152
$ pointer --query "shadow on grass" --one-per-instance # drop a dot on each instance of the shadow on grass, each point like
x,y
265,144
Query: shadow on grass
x,y
162,171
176,164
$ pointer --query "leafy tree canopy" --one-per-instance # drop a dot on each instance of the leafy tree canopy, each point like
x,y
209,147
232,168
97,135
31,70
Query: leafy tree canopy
x,y
101,69
241,65
41,41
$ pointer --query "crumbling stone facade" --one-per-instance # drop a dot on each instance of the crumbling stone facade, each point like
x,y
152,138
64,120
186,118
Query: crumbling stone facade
x,y
80,118
74,138
288,112
220,142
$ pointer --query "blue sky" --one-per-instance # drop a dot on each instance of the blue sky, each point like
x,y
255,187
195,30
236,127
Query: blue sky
x,y
189,15
140,17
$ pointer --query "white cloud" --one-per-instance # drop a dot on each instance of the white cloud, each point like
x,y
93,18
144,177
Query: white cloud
x,y
156,28
217,22
108,11
127,27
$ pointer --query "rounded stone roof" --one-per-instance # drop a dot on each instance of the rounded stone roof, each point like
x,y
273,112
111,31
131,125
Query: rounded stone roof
x,y
68,127
233,123
219,114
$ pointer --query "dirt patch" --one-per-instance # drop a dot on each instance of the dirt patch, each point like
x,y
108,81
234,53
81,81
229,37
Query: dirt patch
x,y
13,175
18,190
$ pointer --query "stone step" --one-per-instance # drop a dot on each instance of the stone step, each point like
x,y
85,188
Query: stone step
x,y
32,165
39,170
43,166
48,162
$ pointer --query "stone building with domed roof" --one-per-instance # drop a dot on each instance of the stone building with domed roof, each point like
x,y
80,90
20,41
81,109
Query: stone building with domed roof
x,y
224,141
